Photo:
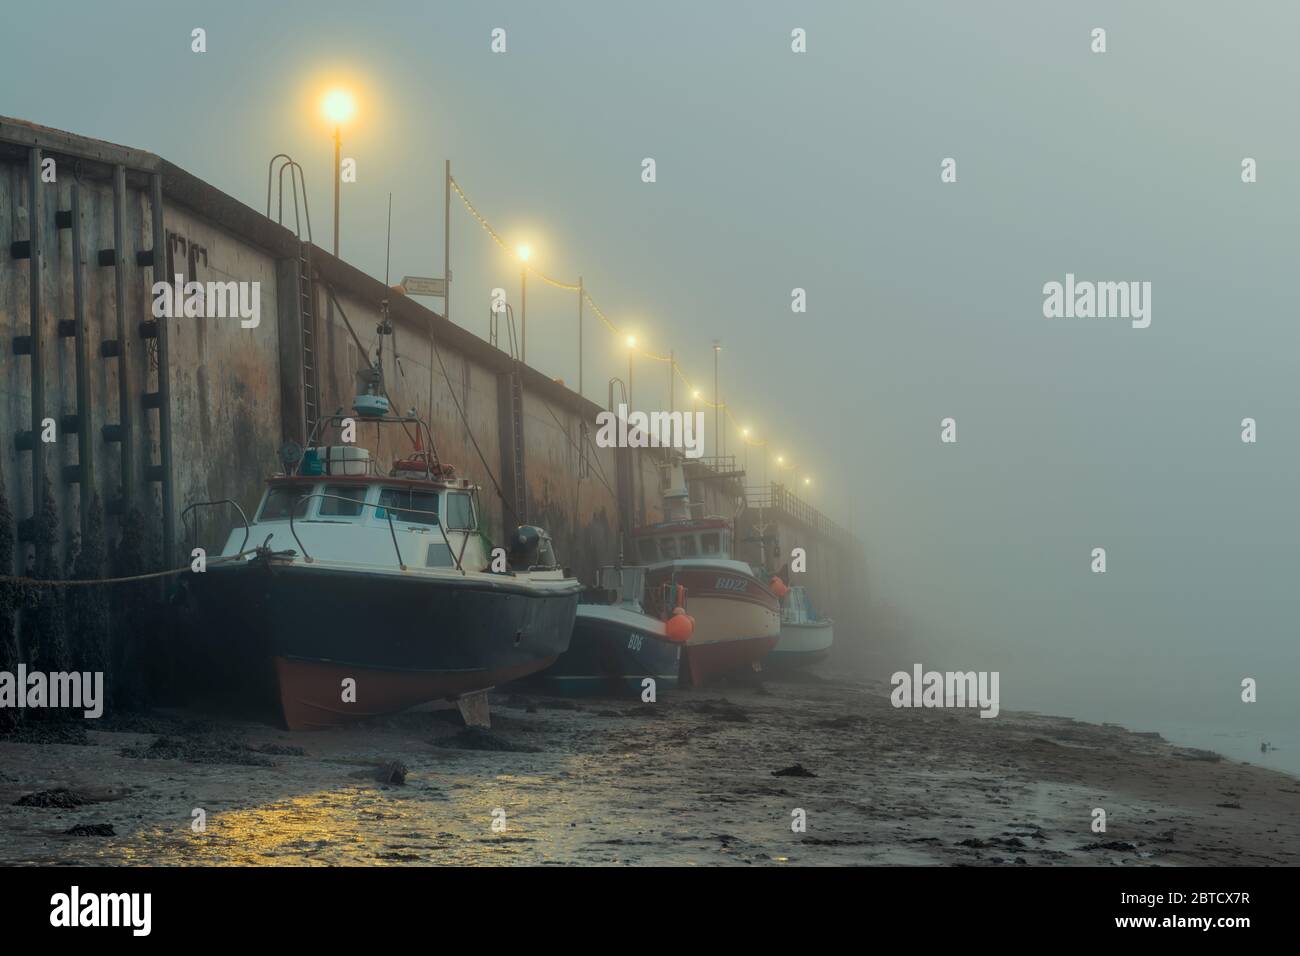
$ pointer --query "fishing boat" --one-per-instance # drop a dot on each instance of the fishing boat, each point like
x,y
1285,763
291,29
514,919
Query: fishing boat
x,y
737,616
806,638
372,590
621,639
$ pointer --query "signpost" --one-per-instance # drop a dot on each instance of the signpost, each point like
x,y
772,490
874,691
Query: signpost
x,y
417,285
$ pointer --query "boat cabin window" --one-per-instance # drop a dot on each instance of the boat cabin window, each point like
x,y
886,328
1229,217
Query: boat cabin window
x,y
413,507
647,548
688,546
281,499
334,507
668,548
711,543
460,512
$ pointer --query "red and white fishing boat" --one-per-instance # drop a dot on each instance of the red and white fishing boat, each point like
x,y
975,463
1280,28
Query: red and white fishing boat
x,y
737,616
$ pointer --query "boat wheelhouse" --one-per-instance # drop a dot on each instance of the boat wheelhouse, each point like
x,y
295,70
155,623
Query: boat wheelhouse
x,y
669,541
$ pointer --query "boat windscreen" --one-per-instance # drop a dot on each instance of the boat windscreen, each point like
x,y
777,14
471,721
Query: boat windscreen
x,y
342,501
413,507
281,499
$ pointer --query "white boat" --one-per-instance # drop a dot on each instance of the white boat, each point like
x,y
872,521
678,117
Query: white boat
x,y
381,583
805,637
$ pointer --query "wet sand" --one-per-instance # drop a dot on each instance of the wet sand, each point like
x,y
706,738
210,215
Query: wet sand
x,y
686,780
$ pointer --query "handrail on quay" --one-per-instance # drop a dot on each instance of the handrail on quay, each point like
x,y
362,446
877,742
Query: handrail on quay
x,y
777,497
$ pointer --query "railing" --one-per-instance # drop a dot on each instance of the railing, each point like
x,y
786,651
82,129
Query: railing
x,y
193,538
659,602
721,464
296,177
424,439
778,498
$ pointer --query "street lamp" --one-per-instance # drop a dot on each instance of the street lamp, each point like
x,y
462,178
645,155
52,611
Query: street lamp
x,y
631,350
338,107
744,434
524,252
718,435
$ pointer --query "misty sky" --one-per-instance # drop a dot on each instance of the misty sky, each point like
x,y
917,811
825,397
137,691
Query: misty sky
x,y
821,171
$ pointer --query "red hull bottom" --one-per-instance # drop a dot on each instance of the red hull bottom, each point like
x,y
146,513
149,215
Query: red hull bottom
x,y
311,692
701,663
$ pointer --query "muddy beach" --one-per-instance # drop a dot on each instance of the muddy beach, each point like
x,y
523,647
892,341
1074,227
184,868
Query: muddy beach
x,y
706,777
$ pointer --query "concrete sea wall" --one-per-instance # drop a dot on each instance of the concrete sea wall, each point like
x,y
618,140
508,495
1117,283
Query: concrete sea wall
x,y
151,415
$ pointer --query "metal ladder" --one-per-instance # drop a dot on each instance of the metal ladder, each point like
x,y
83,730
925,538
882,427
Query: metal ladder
x,y
307,311
517,435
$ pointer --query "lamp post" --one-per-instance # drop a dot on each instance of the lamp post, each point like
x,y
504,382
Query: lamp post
x,y
672,380
631,351
524,253
719,443
338,178
338,107
581,293
744,434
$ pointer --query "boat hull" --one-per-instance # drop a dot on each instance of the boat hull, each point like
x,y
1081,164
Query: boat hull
x,y
802,644
402,639
311,698
613,651
737,619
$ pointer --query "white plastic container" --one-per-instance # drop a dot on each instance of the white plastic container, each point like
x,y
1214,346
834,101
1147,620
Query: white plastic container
x,y
344,460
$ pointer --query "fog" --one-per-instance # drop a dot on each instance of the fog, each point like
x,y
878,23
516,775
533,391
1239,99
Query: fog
x,y
821,171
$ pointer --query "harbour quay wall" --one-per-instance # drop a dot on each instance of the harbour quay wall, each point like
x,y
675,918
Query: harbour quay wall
x,y
113,421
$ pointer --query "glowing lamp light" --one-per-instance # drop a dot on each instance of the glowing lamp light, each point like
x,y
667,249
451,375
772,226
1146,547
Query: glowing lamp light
x,y
524,253
631,341
338,106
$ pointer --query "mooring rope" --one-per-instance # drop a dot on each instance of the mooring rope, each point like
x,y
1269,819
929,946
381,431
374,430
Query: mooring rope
x,y
80,582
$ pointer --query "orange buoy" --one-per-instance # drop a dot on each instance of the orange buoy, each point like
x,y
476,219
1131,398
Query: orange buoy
x,y
680,626
779,587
